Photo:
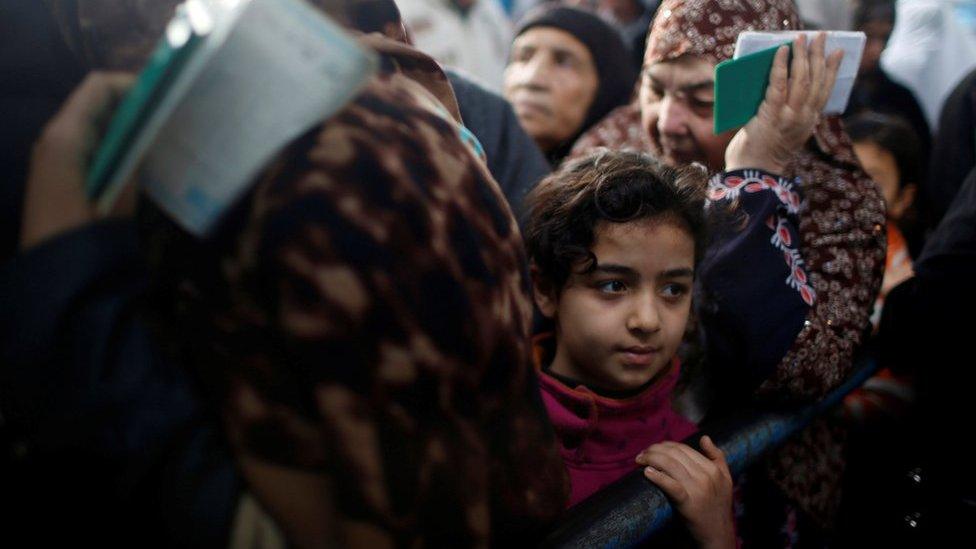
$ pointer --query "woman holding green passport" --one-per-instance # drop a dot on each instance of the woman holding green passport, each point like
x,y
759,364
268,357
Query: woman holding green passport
x,y
783,299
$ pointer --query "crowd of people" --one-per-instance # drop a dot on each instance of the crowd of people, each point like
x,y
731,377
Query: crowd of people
x,y
516,267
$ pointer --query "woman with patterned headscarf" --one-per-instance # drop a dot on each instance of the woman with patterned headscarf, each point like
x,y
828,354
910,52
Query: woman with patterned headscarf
x,y
357,325
784,298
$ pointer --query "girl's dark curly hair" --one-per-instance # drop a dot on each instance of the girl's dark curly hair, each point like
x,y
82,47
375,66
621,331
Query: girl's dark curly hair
x,y
617,187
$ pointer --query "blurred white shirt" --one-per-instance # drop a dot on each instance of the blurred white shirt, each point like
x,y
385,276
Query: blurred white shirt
x,y
476,42
826,14
929,52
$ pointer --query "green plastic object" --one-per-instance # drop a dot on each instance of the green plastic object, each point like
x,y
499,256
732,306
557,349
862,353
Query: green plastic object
x,y
132,113
740,86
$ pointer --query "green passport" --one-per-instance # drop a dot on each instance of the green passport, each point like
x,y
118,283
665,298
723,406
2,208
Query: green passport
x,y
740,86
138,105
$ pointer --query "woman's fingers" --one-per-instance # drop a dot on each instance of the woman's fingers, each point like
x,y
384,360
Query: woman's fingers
x,y
830,76
818,66
776,92
799,74
75,124
104,91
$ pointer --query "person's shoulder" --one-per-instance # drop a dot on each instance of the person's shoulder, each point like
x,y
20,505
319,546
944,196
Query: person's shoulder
x,y
470,91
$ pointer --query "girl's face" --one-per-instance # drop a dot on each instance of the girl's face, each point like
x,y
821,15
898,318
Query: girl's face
x,y
619,325
881,166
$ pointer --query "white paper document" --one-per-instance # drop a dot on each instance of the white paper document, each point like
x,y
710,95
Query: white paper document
x,y
270,71
851,42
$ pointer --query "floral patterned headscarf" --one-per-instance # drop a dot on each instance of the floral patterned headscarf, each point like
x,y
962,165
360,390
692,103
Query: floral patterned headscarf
x,y
710,29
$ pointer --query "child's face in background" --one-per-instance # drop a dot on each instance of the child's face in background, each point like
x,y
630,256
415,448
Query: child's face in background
x,y
619,325
880,165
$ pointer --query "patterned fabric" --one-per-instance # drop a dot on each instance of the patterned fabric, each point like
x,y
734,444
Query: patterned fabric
x,y
360,319
887,393
620,130
753,250
809,469
364,324
710,29
727,187
841,232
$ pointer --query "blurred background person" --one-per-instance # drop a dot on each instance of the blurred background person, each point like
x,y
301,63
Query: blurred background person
x,y
929,52
888,150
632,18
825,14
568,69
873,89
472,36
953,151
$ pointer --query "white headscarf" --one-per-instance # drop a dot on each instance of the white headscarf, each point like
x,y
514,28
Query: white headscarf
x,y
929,52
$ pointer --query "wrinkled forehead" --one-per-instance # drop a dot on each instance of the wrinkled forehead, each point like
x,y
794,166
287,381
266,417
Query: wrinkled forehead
x,y
709,28
551,38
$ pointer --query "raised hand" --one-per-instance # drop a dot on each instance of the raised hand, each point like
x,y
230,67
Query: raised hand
x,y
790,110
55,199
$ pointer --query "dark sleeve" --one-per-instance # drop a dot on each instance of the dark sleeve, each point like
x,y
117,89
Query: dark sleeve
x,y
926,331
100,429
514,159
954,148
955,237
753,290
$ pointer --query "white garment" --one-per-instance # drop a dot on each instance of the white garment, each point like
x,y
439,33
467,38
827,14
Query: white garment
x,y
929,52
521,7
826,14
477,43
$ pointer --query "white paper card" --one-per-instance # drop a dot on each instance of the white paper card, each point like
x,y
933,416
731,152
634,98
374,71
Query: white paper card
x,y
851,42
272,70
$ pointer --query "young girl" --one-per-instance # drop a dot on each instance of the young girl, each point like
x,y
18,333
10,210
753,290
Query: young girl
x,y
889,151
614,239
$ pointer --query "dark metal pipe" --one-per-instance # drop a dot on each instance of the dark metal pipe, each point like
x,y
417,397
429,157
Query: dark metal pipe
x,y
631,510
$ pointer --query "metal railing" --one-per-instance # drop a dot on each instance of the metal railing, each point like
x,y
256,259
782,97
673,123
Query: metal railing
x,y
631,510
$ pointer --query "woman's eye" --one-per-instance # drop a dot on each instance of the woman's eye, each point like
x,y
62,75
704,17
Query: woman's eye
x,y
702,107
674,291
612,287
522,55
565,61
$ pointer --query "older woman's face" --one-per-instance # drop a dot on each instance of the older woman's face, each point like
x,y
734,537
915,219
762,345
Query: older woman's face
x,y
551,82
676,101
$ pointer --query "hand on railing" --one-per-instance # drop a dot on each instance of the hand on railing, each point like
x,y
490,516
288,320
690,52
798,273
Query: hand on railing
x,y
630,511
699,486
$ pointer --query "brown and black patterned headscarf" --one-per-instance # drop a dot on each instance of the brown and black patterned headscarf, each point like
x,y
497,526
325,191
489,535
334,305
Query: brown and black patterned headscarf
x,y
360,321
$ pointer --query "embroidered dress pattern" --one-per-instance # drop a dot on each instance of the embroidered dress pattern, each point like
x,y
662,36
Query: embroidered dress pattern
x,y
728,187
